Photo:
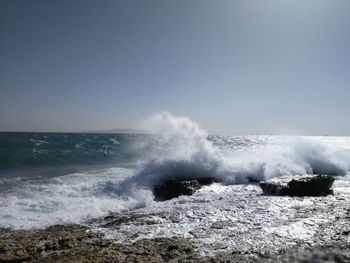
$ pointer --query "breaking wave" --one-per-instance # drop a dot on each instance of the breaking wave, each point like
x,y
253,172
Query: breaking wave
x,y
185,150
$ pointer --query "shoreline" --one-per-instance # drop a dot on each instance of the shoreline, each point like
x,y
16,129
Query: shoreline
x,y
77,243
218,223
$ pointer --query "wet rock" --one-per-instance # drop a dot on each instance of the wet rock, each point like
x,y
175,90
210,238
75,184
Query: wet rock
x,y
300,185
174,188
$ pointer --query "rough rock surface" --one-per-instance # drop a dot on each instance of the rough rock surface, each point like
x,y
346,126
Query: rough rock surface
x,y
300,185
174,188
78,244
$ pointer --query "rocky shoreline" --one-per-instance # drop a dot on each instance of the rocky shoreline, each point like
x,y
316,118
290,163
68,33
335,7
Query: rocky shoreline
x,y
257,228
77,243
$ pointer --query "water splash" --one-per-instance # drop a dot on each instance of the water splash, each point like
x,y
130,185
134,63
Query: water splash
x,y
183,150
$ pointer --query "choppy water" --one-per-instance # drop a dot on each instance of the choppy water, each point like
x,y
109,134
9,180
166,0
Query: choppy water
x,y
55,178
29,150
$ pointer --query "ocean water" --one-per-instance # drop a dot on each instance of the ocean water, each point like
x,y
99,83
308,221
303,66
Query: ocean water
x,y
62,178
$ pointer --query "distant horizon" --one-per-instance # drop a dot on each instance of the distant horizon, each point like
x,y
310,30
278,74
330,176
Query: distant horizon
x,y
136,131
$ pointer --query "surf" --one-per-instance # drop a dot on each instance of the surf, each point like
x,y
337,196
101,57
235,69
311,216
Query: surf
x,y
176,148
184,150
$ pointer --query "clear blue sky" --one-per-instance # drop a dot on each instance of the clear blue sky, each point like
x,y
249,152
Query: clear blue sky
x,y
249,66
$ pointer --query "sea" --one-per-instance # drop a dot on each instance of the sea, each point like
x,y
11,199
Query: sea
x,y
76,178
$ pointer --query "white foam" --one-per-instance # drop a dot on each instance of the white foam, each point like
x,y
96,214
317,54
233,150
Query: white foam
x,y
184,150
69,199
296,230
234,216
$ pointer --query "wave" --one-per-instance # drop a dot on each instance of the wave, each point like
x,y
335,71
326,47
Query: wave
x,y
69,199
184,150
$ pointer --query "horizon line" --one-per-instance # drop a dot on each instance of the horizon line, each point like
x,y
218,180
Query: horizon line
x,y
138,131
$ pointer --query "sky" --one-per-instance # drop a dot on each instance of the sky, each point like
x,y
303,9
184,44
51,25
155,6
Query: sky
x,y
236,67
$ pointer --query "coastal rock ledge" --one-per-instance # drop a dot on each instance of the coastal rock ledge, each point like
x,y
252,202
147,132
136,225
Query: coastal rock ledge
x,y
299,185
174,188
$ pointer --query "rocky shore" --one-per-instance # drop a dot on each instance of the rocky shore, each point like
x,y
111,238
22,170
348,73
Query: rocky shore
x,y
78,244
236,224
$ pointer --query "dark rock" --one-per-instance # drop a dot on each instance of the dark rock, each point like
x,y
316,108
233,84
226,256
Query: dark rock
x,y
171,189
346,233
64,243
207,180
300,185
252,179
174,188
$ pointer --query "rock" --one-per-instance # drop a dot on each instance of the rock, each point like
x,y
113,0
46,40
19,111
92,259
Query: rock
x,y
300,185
64,243
174,188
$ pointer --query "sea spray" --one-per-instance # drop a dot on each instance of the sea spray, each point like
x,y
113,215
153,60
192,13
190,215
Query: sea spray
x,y
179,138
183,150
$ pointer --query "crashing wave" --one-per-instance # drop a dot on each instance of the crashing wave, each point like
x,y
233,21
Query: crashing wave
x,y
183,150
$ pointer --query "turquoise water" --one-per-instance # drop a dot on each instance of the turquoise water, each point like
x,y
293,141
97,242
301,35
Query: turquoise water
x,y
28,150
